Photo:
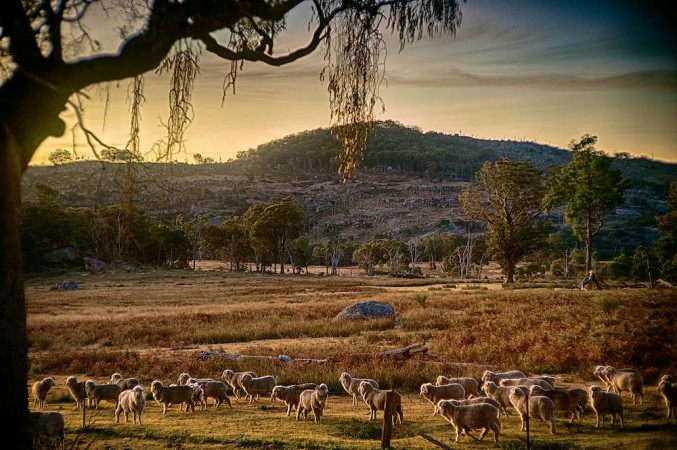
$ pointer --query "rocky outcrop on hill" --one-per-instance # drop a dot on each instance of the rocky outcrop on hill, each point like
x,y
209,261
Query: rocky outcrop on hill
x,y
367,310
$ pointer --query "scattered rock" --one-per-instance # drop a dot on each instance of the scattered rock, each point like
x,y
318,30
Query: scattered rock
x,y
67,285
367,310
93,264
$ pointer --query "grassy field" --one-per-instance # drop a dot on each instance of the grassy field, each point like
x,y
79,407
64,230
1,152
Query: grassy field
x,y
153,325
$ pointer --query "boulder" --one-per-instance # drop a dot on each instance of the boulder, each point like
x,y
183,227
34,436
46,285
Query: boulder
x,y
367,310
67,285
93,264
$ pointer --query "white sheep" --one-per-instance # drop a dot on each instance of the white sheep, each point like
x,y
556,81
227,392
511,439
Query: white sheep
x,y
351,385
131,401
376,401
668,390
625,381
217,390
528,382
434,394
255,387
463,418
177,395
290,394
496,377
469,401
233,379
539,408
313,400
563,400
606,403
98,392
47,428
499,393
470,385
40,390
124,383
550,379
77,390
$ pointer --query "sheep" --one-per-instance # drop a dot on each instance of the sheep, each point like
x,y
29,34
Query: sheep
x,y
217,390
528,382
40,390
473,416
257,386
548,378
290,395
599,373
469,401
198,397
131,400
668,389
98,392
606,403
125,383
351,385
563,399
625,381
77,390
470,385
496,377
540,407
376,400
312,400
233,379
499,393
166,395
434,394
46,426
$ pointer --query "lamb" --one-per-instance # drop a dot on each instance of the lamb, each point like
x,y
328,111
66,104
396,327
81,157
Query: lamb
x,y
606,403
291,394
125,383
217,390
496,377
40,390
625,381
98,392
470,385
376,400
563,399
539,408
469,401
473,416
351,385
312,400
233,379
668,389
528,382
257,386
131,401
46,427
499,393
172,395
434,394
77,390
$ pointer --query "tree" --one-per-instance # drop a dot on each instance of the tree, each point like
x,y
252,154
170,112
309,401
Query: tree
x,y
665,247
507,197
278,223
60,156
45,66
589,188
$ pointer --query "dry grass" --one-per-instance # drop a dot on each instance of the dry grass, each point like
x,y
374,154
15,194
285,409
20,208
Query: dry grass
x,y
151,325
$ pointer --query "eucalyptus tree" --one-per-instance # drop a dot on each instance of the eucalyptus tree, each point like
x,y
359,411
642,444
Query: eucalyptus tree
x,y
48,58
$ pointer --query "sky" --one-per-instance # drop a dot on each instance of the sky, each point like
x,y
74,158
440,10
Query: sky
x,y
533,70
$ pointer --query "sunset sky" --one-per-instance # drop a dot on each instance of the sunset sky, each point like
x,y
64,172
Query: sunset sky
x,y
536,70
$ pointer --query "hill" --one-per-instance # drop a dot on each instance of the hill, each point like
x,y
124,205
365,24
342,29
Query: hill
x,y
407,184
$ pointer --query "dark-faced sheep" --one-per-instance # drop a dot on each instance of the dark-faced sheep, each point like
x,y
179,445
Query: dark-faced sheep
x,y
463,418
376,401
40,390
351,385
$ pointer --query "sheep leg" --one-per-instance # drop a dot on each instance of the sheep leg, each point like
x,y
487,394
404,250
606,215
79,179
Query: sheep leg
x,y
467,433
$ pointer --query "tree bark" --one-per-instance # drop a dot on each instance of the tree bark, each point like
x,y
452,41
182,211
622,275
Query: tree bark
x,y
588,245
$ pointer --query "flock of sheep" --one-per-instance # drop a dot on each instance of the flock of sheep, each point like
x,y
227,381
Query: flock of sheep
x,y
458,400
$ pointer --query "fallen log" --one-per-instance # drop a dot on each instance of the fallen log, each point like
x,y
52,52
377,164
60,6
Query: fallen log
x,y
406,352
204,355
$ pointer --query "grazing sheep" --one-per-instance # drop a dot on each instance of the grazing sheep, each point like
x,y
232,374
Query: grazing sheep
x,y
131,401
233,379
499,393
599,373
98,392
198,397
291,394
351,385
528,382
606,403
125,383
496,377
40,390
463,418
254,387
625,381
548,378
563,400
217,390
539,408
46,427
166,395
668,389
469,401
470,385
77,390
376,401
312,400
434,394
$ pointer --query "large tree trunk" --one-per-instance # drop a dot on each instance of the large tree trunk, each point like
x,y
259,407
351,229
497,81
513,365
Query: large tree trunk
x,y
509,272
588,245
